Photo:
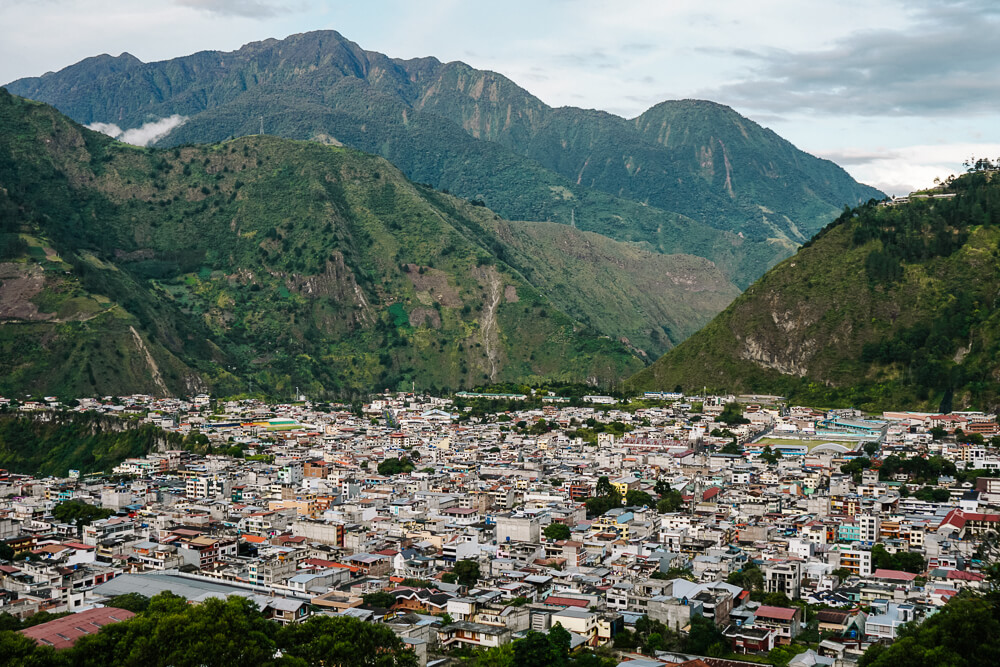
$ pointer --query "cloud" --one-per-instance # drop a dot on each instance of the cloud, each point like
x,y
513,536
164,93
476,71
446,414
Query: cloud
x,y
940,61
899,171
143,135
255,9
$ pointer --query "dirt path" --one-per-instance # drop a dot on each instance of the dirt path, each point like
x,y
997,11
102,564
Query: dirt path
x,y
491,337
153,368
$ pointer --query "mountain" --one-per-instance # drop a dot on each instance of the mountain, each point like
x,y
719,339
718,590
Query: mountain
x,y
650,301
686,176
266,263
889,305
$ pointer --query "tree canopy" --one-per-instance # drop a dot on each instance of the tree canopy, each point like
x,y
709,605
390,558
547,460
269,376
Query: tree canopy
x,y
222,633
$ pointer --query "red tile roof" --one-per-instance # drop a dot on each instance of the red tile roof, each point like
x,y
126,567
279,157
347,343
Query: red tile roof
x,y
779,613
566,602
895,575
958,518
63,632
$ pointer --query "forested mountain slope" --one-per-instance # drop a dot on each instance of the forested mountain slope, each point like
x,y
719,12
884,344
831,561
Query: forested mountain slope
x,y
685,176
889,305
259,263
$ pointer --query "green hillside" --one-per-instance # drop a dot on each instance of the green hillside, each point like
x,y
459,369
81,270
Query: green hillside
x,y
686,176
887,306
256,264
67,441
651,301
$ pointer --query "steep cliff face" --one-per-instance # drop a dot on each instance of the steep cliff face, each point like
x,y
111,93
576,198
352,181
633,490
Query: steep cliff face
x,y
888,305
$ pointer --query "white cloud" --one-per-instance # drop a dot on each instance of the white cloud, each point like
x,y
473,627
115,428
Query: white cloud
x,y
144,135
899,171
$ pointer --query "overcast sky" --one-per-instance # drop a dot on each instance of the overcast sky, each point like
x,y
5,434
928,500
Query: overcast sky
x,y
897,93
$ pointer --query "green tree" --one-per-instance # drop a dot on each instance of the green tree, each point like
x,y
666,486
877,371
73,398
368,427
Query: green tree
x,y
731,448
79,513
172,632
749,578
395,466
777,599
557,531
467,572
379,599
605,487
965,632
662,487
341,640
16,649
637,498
732,414
497,656
535,650
133,602
560,639
671,502
601,504
705,639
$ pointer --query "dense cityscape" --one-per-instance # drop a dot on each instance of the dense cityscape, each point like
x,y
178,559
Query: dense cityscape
x,y
657,530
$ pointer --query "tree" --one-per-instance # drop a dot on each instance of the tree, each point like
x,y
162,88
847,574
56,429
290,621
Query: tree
x,y
599,505
379,599
535,650
749,578
662,487
671,502
731,448
777,599
705,639
79,513
557,531
560,639
965,632
904,560
467,572
498,656
841,573
133,602
396,466
732,413
605,487
341,640
172,632
16,649
637,498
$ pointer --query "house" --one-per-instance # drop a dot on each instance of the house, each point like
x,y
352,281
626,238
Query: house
x,y
785,622
745,639
466,633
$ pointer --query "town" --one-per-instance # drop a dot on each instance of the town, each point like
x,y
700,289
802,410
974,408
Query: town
x,y
656,531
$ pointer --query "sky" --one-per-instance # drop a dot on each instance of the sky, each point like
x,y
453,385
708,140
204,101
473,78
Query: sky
x,y
898,93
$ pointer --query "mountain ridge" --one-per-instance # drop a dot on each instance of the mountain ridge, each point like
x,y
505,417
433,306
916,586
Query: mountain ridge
x,y
890,304
267,262
408,111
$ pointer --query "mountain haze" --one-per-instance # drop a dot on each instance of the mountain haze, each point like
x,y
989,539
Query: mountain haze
x,y
685,176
